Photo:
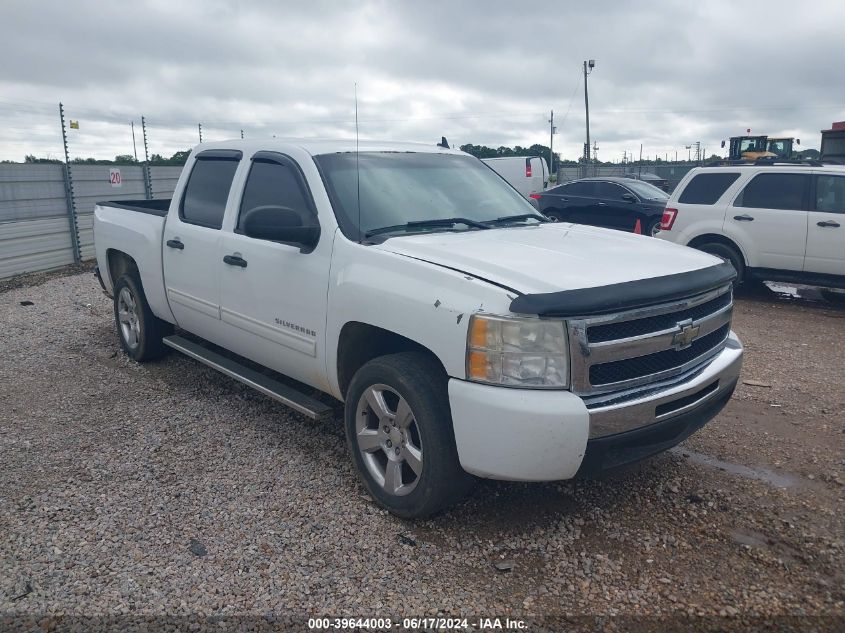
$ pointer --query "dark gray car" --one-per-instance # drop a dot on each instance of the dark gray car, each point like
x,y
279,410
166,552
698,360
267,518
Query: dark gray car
x,y
612,202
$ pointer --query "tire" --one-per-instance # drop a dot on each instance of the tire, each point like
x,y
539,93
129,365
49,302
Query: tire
x,y
652,228
554,215
728,254
139,330
399,431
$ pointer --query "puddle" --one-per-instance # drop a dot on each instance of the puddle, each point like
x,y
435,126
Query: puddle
x,y
760,474
808,293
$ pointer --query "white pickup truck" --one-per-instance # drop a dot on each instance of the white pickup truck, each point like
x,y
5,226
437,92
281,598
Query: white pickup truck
x,y
467,336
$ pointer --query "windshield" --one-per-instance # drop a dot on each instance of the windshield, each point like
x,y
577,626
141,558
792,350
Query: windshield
x,y
401,187
647,191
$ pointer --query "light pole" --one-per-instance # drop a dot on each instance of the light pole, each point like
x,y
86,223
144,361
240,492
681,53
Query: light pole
x,y
588,68
689,155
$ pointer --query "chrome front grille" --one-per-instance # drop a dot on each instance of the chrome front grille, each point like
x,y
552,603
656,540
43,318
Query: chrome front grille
x,y
637,348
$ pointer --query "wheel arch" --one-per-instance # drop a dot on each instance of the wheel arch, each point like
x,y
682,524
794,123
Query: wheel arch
x,y
716,238
360,343
119,264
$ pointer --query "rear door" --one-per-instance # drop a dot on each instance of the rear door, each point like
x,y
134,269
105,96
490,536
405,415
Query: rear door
x,y
768,219
826,226
611,209
191,243
273,295
573,202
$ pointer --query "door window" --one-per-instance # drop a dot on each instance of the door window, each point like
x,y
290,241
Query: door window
x,y
707,188
830,194
278,184
585,188
775,191
204,202
610,191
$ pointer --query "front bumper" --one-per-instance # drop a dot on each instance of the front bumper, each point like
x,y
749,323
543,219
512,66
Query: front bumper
x,y
534,435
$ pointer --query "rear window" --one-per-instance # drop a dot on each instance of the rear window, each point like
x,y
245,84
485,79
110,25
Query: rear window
x,y
204,202
707,188
775,191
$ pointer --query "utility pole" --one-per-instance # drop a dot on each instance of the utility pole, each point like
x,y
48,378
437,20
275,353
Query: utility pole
x,y
640,167
588,68
551,140
134,147
199,127
689,156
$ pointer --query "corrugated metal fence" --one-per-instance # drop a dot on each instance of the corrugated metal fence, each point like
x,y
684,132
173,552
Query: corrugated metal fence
x,y
671,172
35,221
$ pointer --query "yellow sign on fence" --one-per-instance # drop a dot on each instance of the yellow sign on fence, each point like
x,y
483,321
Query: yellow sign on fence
x,y
74,125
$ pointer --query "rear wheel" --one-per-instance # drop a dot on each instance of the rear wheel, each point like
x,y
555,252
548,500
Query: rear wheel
x,y
399,431
140,331
554,215
728,254
652,227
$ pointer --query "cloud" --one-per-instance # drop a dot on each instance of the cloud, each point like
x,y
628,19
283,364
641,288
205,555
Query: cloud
x,y
666,74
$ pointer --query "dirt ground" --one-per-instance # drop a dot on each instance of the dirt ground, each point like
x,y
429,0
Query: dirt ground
x,y
167,489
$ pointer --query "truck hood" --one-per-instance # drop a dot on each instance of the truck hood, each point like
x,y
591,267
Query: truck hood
x,y
551,257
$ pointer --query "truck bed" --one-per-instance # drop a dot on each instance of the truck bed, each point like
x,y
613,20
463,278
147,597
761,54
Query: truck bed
x,y
153,207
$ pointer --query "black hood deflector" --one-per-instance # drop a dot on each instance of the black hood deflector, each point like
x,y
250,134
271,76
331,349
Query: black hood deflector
x,y
624,296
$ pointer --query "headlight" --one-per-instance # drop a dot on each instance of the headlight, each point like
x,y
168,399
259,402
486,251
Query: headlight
x,y
517,352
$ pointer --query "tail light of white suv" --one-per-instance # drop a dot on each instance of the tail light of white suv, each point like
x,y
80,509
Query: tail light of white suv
x,y
668,219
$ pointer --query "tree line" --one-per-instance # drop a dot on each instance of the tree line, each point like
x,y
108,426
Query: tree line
x,y
179,158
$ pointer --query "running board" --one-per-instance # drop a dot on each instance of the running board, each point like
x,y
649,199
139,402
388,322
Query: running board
x,y
296,400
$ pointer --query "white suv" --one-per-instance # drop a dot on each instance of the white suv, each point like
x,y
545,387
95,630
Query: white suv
x,y
776,222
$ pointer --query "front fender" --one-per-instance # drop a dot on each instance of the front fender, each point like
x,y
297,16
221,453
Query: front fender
x,y
424,302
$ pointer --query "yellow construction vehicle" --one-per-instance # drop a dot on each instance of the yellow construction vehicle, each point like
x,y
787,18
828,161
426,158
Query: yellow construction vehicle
x,y
752,148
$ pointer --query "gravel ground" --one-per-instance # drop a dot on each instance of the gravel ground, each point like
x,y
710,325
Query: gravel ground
x,y
167,488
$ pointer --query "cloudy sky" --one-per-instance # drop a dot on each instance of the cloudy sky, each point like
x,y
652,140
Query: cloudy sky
x,y
484,72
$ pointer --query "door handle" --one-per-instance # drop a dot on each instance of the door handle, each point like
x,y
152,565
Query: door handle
x,y
235,260
176,244
602,204
744,218
830,223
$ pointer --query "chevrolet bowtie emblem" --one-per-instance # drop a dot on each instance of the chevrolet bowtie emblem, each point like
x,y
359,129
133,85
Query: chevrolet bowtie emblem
x,y
686,335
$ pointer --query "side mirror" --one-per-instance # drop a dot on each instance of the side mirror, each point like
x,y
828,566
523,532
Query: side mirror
x,y
723,144
798,141
280,224
629,197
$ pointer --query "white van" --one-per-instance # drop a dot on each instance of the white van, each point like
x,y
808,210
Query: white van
x,y
527,174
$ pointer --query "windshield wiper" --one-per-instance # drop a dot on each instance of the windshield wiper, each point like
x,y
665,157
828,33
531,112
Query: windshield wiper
x,y
425,224
518,218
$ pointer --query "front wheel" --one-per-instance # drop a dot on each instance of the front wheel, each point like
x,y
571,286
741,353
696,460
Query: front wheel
x,y
399,431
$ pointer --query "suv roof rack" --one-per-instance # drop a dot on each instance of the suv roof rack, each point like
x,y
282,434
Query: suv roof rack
x,y
765,162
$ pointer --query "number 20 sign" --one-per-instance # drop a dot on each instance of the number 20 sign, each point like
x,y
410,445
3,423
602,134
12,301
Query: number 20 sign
x,y
114,177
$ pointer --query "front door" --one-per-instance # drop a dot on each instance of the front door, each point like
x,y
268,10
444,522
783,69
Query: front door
x,y
192,242
826,227
770,216
273,295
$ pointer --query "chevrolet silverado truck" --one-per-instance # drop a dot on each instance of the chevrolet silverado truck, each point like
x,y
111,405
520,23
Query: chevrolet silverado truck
x,y
466,335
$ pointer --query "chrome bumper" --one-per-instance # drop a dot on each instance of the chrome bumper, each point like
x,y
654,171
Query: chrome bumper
x,y
699,388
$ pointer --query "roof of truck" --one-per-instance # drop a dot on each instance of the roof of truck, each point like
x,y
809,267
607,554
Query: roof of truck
x,y
322,146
